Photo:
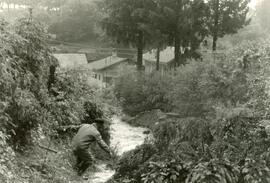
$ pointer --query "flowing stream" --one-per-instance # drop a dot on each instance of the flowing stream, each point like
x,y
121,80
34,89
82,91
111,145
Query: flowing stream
x,y
125,138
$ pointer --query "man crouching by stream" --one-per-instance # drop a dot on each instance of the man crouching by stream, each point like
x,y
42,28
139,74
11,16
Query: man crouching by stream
x,y
86,135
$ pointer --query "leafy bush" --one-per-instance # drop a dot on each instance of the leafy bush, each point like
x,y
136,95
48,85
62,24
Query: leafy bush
x,y
254,171
25,59
6,160
214,171
199,87
185,95
130,164
167,171
71,93
25,115
92,112
138,93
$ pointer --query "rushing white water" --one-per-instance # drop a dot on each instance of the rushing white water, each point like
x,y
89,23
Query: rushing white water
x,y
124,138
103,175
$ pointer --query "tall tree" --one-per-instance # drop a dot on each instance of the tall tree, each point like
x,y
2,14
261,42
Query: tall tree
x,y
226,17
127,22
159,39
185,23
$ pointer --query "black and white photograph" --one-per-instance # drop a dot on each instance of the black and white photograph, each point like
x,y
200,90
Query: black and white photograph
x,y
134,91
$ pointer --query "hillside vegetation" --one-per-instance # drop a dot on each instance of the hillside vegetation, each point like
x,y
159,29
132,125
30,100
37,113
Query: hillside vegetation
x,y
35,105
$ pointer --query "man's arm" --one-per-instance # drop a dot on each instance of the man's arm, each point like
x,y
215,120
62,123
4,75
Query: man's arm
x,y
102,144
70,127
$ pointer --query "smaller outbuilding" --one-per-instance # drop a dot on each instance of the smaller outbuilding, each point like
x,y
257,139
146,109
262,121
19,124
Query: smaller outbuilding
x,y
109,68
166,60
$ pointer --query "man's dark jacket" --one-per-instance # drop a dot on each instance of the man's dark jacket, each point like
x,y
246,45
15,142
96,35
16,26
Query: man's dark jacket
x,y
87,134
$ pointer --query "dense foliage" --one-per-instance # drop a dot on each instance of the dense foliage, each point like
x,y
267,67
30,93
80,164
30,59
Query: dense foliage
x,y
219,136
129,23
181,24
227,17
24,76
139,93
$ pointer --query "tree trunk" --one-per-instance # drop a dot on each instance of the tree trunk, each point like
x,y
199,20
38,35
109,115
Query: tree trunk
x,y
177,50
158,55
51,79
140,46
215,38
216,26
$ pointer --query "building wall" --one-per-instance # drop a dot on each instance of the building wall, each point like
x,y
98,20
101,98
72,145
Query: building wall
x,y
109,74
